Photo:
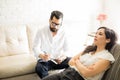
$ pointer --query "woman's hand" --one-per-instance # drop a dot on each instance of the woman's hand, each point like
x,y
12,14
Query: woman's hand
x,y
77,62
71,62
73,59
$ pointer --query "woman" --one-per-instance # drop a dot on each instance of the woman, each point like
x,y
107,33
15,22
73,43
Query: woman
x,y
93,61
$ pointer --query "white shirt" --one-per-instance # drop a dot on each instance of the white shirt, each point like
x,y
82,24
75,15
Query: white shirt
x,y
44,42
89,59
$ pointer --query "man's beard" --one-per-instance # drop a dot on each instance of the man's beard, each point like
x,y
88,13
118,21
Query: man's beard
x,y
53,29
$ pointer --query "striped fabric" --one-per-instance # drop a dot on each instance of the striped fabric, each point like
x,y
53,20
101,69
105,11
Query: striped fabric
x,y
114,72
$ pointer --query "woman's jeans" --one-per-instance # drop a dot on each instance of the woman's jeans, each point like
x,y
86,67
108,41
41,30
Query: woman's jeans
x,y
67,74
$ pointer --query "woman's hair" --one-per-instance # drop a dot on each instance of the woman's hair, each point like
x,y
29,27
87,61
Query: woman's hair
x,y
110,34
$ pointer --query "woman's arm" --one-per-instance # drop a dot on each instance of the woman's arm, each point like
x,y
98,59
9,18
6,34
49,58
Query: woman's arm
x,y
93,69
73,59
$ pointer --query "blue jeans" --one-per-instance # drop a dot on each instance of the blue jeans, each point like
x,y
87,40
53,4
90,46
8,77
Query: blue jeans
x,y
67,74
43,67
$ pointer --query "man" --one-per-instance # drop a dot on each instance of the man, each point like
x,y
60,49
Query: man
x,y
50,46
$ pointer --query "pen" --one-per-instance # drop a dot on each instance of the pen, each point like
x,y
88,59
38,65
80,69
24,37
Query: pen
x,y
50,58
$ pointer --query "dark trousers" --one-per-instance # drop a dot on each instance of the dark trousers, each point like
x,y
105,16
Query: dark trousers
x,y
43,67
67,74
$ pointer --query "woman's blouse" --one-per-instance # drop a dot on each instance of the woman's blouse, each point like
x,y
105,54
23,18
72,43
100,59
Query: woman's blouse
x,y
89,59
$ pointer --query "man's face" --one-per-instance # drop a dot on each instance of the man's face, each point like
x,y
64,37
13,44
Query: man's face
x,y
55,24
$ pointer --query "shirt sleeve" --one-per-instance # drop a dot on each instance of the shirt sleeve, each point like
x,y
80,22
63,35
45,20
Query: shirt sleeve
x,y
66,47
36,45
108,56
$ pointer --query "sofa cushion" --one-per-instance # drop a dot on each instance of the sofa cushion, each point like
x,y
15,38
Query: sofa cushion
x,y
31,32
114,72
17,65
13,40
32,76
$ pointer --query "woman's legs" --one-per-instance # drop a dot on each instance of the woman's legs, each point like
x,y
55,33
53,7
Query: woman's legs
x,y
52,77
68,74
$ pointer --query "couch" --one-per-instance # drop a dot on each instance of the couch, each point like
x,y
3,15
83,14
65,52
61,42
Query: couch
x,y
17,61
113,73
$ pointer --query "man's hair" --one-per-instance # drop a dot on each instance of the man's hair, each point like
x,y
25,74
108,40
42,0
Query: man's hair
x,y
57,14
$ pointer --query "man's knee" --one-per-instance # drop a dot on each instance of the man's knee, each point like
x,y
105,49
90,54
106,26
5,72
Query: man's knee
x,y
41,70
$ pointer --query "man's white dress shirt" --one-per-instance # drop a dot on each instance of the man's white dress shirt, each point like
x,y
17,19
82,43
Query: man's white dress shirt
x,y
44,42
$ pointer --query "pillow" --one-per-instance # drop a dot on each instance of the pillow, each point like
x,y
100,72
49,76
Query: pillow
x,y
13,40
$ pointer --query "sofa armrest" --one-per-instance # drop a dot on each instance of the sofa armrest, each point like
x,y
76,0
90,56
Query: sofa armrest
x,y
17,65
114,72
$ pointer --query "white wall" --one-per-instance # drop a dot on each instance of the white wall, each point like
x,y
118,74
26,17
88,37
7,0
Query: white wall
x,y
19,11
112,9
35,11
79,15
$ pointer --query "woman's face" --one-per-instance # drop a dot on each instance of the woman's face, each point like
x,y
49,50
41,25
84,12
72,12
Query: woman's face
x,y
100,38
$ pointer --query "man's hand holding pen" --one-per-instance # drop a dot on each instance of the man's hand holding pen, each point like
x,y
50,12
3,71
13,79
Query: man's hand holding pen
x,y
45,56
